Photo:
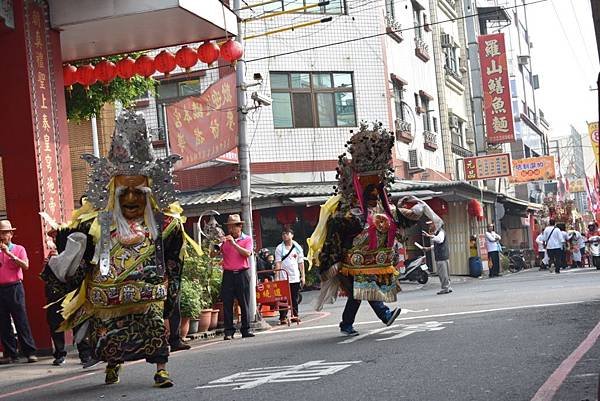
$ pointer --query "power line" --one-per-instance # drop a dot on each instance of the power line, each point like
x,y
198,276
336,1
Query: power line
x,y
581,34
567,39
385,33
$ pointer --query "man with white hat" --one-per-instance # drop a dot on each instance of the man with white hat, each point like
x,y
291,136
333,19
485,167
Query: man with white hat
x,y
13,260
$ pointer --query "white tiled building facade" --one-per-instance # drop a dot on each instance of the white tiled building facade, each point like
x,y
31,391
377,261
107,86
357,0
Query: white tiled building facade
x,y
321,94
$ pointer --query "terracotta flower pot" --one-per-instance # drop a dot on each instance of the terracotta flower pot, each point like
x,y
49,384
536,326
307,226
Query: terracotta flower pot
x,y
204,320
184,327
221,318
214,320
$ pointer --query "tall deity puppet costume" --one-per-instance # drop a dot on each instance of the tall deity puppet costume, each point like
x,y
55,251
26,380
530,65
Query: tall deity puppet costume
x,y
355,242
123,252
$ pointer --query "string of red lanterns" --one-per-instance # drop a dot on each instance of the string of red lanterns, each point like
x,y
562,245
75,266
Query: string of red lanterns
x,y
165,62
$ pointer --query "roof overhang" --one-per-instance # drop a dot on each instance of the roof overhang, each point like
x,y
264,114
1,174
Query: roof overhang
x,y
91,28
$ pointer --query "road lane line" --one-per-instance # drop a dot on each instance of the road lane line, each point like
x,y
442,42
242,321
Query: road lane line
x,y
371,332
471,312
41,386
87,374
551,386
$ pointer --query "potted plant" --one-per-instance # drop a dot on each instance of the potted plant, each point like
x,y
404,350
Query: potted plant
x,y
190,304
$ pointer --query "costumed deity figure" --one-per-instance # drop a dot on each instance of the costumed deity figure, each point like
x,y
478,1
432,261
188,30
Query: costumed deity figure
x,y
355,242
123,252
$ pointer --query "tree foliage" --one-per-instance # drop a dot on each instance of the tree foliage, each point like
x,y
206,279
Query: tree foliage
x,y
82,104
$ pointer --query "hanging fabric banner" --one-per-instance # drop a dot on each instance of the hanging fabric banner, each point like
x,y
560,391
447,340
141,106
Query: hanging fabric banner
x,y
202,128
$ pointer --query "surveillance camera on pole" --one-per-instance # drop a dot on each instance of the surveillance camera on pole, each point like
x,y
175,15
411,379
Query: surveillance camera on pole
x,y
262,100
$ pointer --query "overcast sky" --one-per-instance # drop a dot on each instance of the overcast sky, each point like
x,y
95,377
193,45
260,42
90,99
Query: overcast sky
x,y
566,58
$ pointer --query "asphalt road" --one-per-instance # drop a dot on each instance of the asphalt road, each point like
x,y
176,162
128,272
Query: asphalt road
x,y
525,336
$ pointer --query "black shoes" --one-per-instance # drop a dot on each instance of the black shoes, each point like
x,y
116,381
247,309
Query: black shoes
x,y
59,361
247,335
394,314
228,337
180,346
90,362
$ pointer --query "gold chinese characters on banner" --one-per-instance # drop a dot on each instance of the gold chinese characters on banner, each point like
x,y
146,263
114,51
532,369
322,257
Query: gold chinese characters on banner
x,y
487,167
533,169
202,128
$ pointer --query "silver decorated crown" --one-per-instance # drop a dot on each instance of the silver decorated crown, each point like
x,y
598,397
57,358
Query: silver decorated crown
x,y
371,155
131,153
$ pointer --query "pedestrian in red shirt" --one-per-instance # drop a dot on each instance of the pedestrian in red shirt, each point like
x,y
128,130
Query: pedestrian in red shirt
x,y
236,249
13,260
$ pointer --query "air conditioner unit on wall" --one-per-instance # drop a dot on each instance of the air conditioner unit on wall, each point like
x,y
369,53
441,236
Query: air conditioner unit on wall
x,y
453,121
446,40
414,160
523,60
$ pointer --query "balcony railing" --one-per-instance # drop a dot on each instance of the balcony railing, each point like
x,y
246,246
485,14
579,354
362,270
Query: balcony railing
x,y
393,28
421,49
403,131
460,151
430,140
454,74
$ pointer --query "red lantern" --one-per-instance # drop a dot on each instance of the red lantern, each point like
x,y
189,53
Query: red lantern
x,y
144,66
86,75
231,51
69,75
186,58
165,62
208,52
106,71
475,209
126,68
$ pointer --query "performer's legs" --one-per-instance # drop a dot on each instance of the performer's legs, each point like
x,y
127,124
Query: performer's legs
x,y
381,310
54,319
349,313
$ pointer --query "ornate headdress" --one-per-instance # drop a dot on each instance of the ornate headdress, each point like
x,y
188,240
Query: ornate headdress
x,y
371,158
131,153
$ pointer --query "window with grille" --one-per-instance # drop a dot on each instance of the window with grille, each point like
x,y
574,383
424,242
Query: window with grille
x,y
313,99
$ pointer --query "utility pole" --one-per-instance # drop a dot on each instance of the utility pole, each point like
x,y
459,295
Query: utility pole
x,y
244,157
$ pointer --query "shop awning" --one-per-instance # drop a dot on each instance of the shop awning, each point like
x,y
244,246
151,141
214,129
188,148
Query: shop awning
x,y
91,28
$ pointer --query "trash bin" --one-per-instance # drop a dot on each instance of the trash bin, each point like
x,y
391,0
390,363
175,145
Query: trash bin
x,y
475,267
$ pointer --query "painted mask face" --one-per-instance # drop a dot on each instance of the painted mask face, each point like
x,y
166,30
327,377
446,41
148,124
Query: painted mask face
x,y
132,199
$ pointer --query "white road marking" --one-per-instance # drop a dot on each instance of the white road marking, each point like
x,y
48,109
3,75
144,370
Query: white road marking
x,y
312,370
369,333
415,328
471,312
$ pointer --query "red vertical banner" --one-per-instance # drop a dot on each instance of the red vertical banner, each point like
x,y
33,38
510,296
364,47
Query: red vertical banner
x,y
45,121
202,128
499,125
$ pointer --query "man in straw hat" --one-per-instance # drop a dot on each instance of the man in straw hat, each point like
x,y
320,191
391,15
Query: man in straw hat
x,y
236,248
133,254
13,260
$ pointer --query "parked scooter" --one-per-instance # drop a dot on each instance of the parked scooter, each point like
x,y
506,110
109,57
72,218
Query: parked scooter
x,y
594,249
415,270
516,262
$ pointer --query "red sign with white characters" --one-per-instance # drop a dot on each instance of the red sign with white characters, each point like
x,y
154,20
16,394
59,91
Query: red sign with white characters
x,y
202,128
499,125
